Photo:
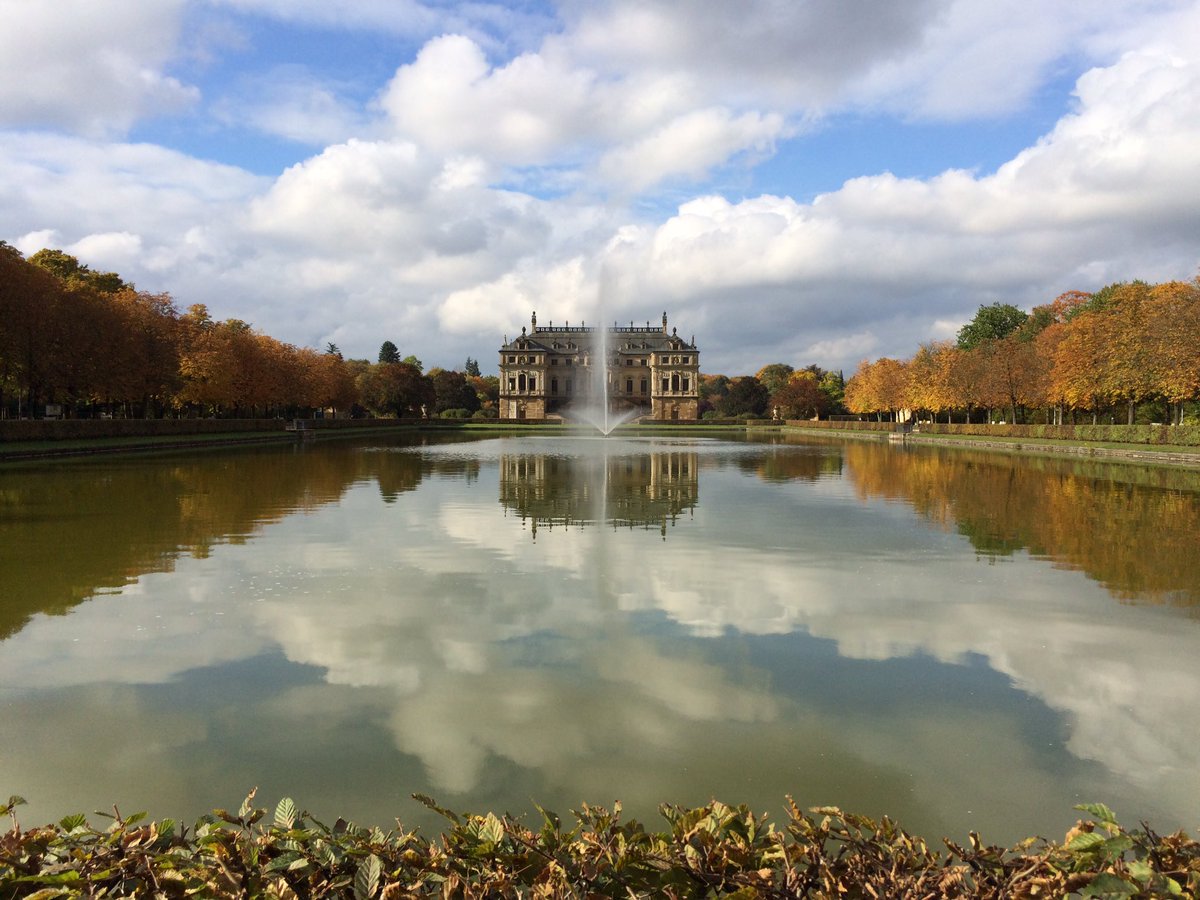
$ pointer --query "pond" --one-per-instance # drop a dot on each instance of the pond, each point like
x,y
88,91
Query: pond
x,y
961,640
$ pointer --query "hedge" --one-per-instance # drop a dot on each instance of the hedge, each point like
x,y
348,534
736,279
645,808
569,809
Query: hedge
x,y
711,851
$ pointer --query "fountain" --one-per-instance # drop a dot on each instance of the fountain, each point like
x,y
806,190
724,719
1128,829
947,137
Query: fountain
x,y
598,411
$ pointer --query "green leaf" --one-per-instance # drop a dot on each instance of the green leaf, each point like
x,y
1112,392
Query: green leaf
x,y
1082,843
1100,811
285,813
70,823
366,879
1141,870
166,828
491,830
1108,885
283,861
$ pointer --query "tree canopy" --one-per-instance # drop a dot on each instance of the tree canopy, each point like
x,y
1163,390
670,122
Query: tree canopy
x,y
991,323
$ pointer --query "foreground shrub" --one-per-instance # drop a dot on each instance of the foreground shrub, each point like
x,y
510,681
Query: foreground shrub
x,y
715,850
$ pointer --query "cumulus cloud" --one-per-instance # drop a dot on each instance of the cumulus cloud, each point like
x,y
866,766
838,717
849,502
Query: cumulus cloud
x,y
91,68
481,184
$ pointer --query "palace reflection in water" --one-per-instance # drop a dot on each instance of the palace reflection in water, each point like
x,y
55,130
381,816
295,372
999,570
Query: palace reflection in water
x,y
623,489
962,640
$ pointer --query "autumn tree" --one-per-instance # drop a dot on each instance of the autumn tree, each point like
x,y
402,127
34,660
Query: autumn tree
x,y
879,387
1173,343
396,388
800,397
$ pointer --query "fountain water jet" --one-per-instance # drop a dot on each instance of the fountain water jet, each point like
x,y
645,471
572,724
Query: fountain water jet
x,y
598,411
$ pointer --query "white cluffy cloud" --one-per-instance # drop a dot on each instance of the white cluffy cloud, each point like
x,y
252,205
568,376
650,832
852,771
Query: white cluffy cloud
x,y
89,67
606,168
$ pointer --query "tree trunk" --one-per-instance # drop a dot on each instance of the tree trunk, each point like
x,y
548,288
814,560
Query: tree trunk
x,y
1132,406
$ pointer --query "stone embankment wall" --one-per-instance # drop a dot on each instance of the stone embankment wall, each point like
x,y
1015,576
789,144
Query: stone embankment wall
x,y
1170,435
82,429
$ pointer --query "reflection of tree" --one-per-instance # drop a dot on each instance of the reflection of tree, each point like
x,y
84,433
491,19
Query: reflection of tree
x,y
1132,529
626,489
69,532
795,464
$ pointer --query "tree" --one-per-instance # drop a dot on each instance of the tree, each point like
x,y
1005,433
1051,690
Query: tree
x,y
471,369
711,390
388,353
800,397
70,269
774,376
991,323
396,388
833,384
452,390
487,389
411,360
879,387
1174,352
746,396
332,349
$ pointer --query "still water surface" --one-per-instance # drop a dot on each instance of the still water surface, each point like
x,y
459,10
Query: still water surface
x,y
960,640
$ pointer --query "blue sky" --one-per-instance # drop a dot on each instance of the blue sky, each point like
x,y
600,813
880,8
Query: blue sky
x,y
792,181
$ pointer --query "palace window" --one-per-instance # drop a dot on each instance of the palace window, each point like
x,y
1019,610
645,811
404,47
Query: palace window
x,y
644,385
554,385
675,381
568,385
666,384
521,382
512,359
532,383
512,383
687,359
629,385
686,383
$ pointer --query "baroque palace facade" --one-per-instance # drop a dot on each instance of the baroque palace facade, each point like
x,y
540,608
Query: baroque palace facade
x,y
650,371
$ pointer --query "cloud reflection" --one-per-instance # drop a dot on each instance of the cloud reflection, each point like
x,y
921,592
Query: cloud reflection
x,y
596,663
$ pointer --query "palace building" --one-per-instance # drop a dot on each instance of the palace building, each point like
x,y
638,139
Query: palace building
x,y
650,372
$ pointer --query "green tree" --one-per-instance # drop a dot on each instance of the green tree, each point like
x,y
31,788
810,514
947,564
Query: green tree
x,y
388,353
70,269
711,389
471,368
332,349
833,384
452,390
746,396
991,323
774,376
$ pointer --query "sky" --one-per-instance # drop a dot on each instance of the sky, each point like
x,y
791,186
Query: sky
x,y
799,181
